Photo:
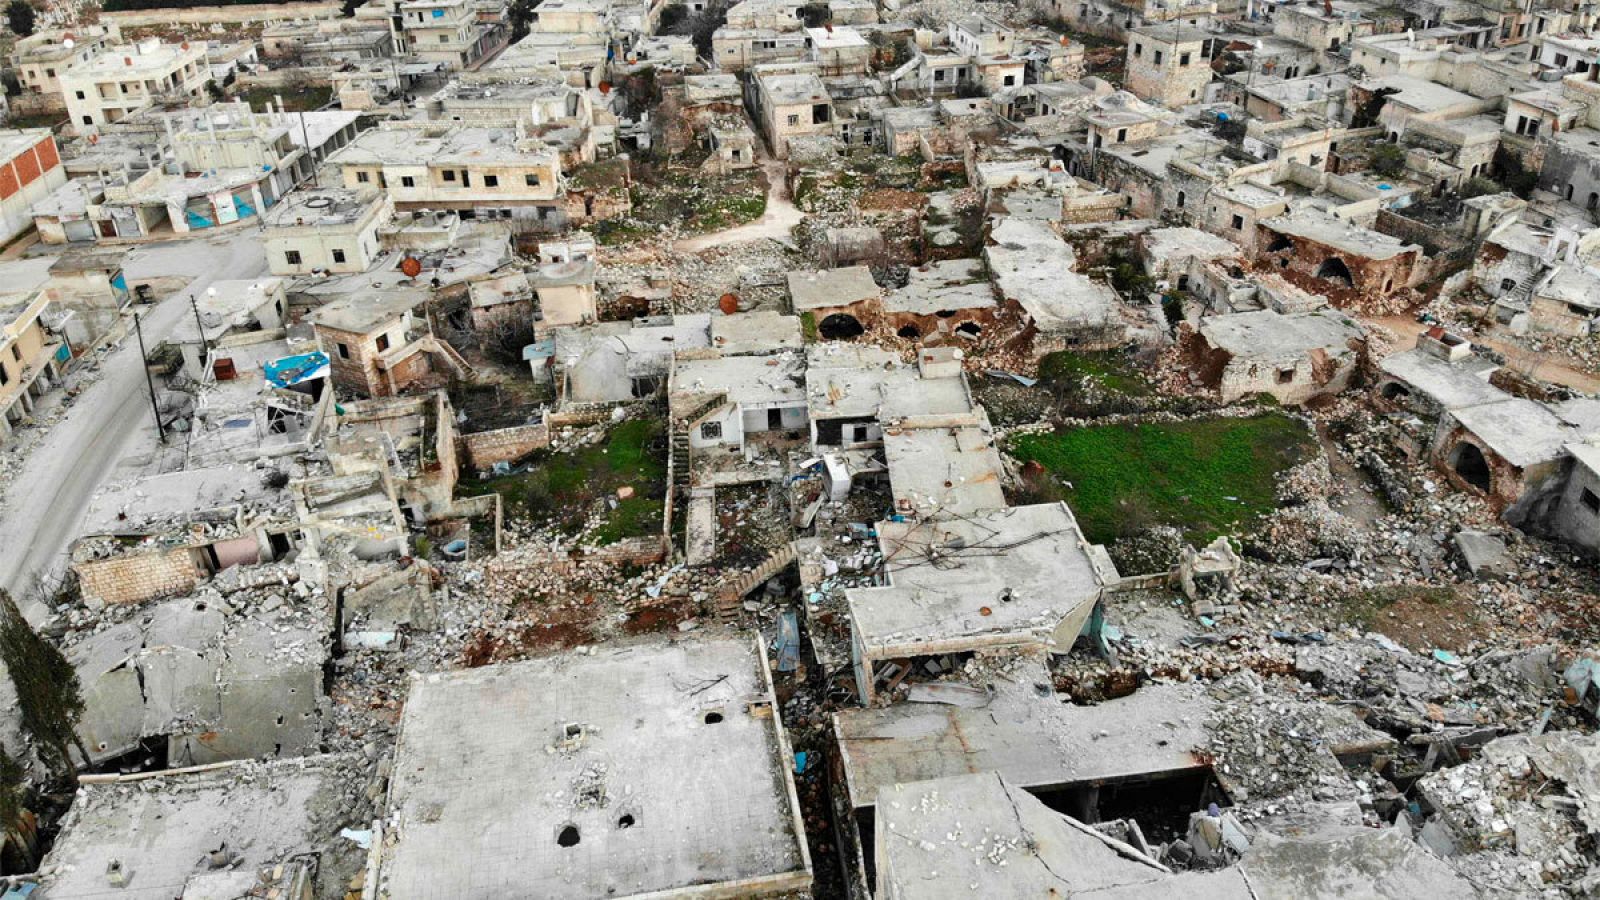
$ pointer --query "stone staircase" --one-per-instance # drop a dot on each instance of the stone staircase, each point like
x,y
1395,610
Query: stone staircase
x,y
730,600
455,359
1522,294
680,461
682,420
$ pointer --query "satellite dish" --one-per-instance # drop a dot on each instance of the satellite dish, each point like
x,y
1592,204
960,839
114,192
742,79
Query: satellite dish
x,y
69,43
211,292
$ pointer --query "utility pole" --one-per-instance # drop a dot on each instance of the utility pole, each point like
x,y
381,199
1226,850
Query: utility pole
x,y
310,154
200,327
144,362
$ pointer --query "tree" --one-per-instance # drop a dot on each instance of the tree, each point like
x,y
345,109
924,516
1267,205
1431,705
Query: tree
x,y
13,807
520,14
21,17
816,15
48,696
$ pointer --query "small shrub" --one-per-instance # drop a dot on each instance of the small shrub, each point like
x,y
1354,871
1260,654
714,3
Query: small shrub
x,y
1387,160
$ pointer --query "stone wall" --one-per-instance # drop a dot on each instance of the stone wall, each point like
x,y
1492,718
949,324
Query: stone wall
x,y
1435,240
409,370
137,577
485,448
1091,208
294,78
243,14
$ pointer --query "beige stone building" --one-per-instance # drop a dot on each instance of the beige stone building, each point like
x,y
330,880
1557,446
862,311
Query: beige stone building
x,y
41,58
29,358
329,230
480,172
1168,65
791,105
445,31
88,286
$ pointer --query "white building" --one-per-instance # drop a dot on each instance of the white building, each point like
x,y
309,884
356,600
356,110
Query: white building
x,y
444,31
327,230
122,80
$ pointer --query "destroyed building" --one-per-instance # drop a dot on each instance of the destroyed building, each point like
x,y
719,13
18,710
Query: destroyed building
x,y
1294,358
208,677
798,449
216,832
162,535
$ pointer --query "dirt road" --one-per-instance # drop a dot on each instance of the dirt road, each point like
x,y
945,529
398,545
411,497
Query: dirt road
x,y
780,216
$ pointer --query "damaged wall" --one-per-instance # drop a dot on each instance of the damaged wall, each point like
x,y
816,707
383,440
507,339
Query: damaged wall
x,y
137,577
485,448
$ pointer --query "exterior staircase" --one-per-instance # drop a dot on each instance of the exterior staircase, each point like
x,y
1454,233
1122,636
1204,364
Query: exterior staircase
x,y
1522,295
730,600
680,461
455,359
682,421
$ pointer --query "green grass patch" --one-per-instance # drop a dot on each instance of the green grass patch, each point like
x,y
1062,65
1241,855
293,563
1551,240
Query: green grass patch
x,y
692,202
611,232
730,210
1201,475
1110,369
633,517
565,487
808,327
295,99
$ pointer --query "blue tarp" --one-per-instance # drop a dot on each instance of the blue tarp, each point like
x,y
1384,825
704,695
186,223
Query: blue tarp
x,y
541,350
292,370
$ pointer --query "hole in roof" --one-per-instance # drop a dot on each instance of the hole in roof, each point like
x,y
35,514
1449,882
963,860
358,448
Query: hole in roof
x,y
626,821
713,718
568,836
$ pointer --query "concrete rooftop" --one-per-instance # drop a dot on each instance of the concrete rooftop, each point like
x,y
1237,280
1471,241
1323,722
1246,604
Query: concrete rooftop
x,y
1030,567
1031,738
162,828
667,759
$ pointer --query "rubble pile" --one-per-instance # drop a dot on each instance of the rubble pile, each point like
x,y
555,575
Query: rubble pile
x,y
1268,745
1524,814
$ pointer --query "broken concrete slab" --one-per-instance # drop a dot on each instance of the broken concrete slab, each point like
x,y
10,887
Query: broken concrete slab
x,y
1485,554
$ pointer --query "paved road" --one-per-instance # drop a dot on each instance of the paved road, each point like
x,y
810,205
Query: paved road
x,y
110,423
